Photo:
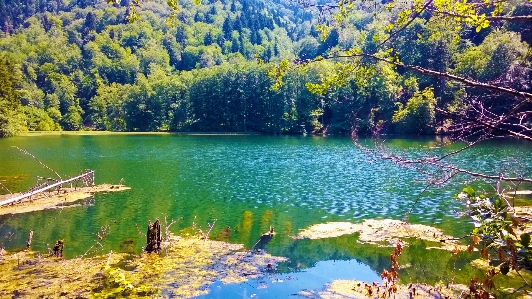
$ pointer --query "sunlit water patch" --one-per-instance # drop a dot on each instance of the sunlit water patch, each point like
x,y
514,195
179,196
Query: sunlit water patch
x,y
331,176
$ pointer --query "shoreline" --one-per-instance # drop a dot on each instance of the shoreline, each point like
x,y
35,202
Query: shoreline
x,y
88,133
235,134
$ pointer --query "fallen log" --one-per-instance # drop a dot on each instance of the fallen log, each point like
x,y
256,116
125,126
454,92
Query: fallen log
x,y
48,187
44,201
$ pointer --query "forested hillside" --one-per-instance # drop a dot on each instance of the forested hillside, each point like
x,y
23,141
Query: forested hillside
x,y
83,65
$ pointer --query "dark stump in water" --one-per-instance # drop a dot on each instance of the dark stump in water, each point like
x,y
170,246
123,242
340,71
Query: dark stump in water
x,y
153,237
58,248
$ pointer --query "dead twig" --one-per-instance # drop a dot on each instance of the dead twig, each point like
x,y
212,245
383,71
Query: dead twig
x,y
44,165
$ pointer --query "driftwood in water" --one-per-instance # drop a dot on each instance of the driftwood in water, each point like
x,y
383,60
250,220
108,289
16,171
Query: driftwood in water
x,y
264,239
87,178
58,248
153,237
30,237
54,199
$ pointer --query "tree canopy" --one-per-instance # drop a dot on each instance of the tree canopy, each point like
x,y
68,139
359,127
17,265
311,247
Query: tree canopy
x,y
397,67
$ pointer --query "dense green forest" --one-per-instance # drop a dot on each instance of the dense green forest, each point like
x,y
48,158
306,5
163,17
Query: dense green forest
x,y
81,65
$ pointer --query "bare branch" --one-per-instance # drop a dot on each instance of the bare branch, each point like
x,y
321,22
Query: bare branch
x,y
3,186
44,165
487,124
446,170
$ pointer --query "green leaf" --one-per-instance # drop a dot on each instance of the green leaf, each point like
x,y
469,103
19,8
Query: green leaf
x,y
469,191
323,31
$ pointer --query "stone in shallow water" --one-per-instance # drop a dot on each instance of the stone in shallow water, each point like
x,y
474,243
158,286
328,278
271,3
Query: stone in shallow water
x,y
361,290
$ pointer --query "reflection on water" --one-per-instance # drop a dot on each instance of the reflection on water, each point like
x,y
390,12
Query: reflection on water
x,y
345,259
288,285
246,183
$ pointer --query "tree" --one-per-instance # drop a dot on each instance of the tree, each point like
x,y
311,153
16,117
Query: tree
x,y
72,120
227,28
108,107
386,45
208,39
418,115
11,118
235,45
181,35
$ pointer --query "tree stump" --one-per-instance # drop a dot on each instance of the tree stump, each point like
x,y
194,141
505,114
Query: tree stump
x,y
58,248
153,237
30,237
264,239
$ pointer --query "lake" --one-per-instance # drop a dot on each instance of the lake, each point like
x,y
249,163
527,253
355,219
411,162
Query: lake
x,y
248,183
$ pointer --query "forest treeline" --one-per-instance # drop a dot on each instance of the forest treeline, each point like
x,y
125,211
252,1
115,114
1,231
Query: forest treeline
x,y
82,66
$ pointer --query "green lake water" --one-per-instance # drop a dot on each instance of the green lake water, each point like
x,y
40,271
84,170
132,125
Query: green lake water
x,y
247,183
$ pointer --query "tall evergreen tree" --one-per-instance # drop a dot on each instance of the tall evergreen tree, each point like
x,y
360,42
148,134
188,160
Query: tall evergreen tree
x,y
227,28
181,35
237,25
207,40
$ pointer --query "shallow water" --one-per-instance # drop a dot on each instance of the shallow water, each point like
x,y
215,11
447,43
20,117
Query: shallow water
x,y
245,182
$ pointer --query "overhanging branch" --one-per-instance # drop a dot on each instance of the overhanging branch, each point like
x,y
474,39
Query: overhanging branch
x,y
490,18
466,81
450,170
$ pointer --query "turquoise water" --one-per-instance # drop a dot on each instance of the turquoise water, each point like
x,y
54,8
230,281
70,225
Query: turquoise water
x,y
245,182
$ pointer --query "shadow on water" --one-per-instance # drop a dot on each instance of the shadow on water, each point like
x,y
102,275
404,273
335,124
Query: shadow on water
x,y
315,263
